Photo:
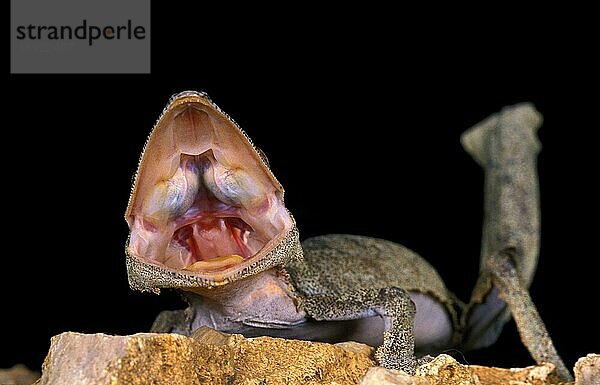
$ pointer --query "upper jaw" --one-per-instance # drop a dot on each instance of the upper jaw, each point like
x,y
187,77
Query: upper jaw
x,y
178,103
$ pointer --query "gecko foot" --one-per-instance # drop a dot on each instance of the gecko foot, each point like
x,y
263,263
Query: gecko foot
x,y
389,360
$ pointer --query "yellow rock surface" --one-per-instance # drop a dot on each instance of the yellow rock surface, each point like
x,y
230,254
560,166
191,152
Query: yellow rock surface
x,y
211,357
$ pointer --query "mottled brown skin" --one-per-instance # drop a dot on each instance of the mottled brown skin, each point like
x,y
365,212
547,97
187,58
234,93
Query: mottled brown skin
x,y
343,277
366,289
506,146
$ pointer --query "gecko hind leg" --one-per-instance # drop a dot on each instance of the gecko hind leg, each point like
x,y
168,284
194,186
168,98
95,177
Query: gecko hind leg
x,y
531,328
392,303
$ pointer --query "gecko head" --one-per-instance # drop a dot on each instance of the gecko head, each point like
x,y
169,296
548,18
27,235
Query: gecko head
x,y
205,209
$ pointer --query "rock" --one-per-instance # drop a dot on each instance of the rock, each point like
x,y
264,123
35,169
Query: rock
x,y
381,376
356,347
76,358
587,370
531,375
445,370
207,357
18,375
212,357
214,337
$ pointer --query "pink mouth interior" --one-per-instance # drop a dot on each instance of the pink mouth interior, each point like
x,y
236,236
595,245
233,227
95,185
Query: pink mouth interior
x,y
210,228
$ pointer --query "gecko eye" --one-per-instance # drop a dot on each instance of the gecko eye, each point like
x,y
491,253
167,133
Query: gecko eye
x,y
174,196
232,186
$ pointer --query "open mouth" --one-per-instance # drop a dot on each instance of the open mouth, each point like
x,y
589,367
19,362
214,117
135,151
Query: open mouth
x,y
210,204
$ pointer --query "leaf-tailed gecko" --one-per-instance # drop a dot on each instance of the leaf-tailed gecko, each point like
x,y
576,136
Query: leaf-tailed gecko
x,y
207,217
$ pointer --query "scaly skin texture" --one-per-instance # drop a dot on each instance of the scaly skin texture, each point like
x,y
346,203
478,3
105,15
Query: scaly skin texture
x,y
345,276
506,146
371,290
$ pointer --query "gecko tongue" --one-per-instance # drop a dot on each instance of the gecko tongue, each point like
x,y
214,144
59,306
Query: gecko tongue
x,y
210,240
216,263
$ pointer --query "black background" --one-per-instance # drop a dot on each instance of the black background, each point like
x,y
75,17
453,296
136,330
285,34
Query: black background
x,y
360,124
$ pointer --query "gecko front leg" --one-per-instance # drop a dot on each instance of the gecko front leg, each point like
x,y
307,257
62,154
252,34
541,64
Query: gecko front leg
x,y
385,295
392,303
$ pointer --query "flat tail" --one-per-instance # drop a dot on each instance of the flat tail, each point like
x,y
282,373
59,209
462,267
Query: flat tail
x,y
475,140
505,145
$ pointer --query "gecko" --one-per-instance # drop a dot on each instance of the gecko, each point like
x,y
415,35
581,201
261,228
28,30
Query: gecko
x,y
207,218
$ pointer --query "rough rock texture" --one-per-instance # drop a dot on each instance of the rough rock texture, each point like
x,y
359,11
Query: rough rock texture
x,y
531,375
381,376
445,370
208,357
587,370
18,375
211,357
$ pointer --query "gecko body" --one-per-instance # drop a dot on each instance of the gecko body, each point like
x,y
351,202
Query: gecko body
x,y
208,218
